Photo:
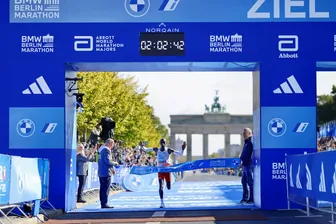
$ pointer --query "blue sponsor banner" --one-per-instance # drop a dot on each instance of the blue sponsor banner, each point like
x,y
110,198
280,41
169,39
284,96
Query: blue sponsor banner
x,y
121,173
195,165
289,82
25,180
44,166
5,171
288,127
171,11
312,175
40,86
93,179
217,43
36,128
138,183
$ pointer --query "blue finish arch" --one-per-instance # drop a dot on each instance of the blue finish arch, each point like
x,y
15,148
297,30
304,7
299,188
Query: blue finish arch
x,y
284,45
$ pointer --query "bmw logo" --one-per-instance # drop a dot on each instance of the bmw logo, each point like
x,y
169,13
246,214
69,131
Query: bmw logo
x,y
277,127
136,181
137,8
25,128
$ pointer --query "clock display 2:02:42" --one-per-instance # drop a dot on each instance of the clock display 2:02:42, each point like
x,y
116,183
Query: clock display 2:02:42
x,y
162,45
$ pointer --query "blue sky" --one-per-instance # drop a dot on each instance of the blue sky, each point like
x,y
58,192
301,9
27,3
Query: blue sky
x,y
187,92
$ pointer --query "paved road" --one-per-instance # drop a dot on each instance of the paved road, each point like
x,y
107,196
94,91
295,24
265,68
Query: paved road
x,y
190,217
206,217
200,177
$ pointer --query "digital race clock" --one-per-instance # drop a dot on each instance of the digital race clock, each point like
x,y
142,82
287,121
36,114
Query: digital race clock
x,y
162,44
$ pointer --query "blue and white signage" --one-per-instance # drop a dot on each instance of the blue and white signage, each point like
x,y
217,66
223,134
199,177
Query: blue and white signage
x,y
172,36
36,128
5,169
148,182
25,180
288,127
172,11
313,175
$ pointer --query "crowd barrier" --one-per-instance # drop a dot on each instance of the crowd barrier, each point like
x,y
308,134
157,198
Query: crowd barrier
x,y
23,180
144,178
92,181
328,129
122,180
313,177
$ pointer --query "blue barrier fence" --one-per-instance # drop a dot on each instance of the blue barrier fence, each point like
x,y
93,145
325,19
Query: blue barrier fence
x,y
144,178
23,180
312,176
92,182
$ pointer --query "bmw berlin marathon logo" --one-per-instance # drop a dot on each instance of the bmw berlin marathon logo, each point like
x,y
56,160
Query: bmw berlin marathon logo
x,y
137,8
25,128
277,127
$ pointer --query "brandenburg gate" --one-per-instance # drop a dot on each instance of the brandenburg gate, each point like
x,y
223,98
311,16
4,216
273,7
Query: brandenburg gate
x,y
213,121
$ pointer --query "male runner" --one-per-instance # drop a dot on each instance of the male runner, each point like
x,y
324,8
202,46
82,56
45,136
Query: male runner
x,y
162,157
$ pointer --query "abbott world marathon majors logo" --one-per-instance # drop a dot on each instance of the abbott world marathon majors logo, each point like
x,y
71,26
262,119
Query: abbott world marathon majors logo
x,y
96,43
37,44
36,9
226,43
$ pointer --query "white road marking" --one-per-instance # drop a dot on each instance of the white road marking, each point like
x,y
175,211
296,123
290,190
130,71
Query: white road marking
x,y
158,214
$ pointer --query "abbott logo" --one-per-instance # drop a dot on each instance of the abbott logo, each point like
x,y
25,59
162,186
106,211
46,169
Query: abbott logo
x,y
288,44
83,43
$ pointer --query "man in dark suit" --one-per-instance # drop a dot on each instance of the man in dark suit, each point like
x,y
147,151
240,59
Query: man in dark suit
x,y
105,171
247,166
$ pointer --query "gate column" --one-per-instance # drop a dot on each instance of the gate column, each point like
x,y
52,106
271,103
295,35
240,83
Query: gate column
x,y
189,146
205,146
287,99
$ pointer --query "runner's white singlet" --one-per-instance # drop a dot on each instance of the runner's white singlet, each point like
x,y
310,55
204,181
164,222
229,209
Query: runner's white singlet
x,y
162,157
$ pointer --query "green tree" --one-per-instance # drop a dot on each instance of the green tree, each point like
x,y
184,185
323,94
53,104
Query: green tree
x,y
326,107
107,94
214,155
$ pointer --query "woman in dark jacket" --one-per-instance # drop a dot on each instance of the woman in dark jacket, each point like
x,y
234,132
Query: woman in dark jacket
x,y
82,169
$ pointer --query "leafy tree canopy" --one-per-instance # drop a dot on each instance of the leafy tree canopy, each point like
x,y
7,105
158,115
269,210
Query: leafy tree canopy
x,y
326,107
108,94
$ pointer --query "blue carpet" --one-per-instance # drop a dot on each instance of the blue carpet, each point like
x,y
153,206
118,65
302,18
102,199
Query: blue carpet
x,y
182,196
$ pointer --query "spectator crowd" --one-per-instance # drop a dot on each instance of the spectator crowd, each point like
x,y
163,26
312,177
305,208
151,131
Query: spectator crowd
x,y
134,156
326,143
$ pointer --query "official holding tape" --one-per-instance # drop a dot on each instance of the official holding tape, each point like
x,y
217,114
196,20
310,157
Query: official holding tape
x,y
105,171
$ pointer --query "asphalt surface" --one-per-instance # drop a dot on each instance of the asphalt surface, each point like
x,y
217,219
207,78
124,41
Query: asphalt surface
x,y
253,216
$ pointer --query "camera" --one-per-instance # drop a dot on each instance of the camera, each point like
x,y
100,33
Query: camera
x,y
108,126
79,102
